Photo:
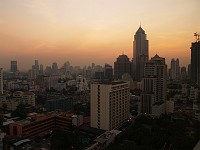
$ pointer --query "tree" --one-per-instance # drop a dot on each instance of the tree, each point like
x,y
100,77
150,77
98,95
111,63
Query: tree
x,y
21,111
4,106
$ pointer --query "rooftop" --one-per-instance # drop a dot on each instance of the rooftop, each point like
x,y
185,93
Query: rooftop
x,y
38,117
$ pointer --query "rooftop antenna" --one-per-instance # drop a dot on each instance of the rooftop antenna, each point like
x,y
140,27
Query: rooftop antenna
x,y
197,35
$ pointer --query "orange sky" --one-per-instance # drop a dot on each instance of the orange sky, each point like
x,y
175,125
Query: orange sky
x,y
86,31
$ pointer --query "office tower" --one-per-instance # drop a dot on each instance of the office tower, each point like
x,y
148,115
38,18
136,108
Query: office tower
x,y
122,66
195,63
13,67
154,86
41,69
175,69
36,63
109,105
54,67
1,80
108,72
140,53
36,67
189,71
183,73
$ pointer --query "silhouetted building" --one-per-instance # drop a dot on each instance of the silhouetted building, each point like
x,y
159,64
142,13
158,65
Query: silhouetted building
x,y
108,72
175,69
41,69
1,80
36,67
61,103
154,86
13,67
122,66
183,73
195,63
54,67
99,75
140,53
189,71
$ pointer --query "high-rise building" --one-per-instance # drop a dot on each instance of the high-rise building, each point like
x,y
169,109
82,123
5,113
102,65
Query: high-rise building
x,y
36,67
122,66
175,69
109,105
195,63
108,72
41,69
189,71
183,73
154,86
1,80
54,67
140,53
13,67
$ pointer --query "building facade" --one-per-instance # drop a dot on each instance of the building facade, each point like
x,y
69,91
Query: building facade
x,y
1,80
175,69
41,124
19,97
13,67
109,105
195,63
108,72
154,86
140,53
122,66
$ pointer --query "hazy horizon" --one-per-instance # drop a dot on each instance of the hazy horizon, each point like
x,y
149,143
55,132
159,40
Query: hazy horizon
x,y
87,31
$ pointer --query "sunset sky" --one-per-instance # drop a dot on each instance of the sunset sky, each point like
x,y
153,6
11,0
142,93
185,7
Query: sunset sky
x,y
86,31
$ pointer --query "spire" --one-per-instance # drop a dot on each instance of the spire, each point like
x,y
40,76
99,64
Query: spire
x,y
140,30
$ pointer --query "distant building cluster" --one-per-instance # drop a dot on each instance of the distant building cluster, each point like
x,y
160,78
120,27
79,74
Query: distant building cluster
x,y
11,101
98,98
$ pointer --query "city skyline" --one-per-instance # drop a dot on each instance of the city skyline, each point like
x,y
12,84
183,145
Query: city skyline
x,y
98,31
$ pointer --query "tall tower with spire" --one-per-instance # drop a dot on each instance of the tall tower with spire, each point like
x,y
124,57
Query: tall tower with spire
x,y
140,53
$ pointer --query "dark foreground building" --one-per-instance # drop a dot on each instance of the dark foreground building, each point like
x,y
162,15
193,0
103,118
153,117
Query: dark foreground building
x,y
195,63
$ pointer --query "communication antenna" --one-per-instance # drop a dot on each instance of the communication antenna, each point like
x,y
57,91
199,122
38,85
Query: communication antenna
x,y
197,35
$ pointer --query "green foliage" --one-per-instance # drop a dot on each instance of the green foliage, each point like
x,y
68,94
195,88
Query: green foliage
x,y
21,111
63,141
153,133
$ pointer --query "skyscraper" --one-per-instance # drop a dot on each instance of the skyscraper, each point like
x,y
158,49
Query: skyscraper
x,y
36,67
154,85
175,69
54,67
140,53
122,66
183,73
109,105
41,69
108,72
13,67
1,80
195,63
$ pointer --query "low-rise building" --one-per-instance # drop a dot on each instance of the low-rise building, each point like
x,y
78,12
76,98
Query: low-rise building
x,y
102,141
12,101
39,125
169,104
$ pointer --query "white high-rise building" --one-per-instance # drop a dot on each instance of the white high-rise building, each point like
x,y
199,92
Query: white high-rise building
x,y
109,105
154,86
1,80
140,53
